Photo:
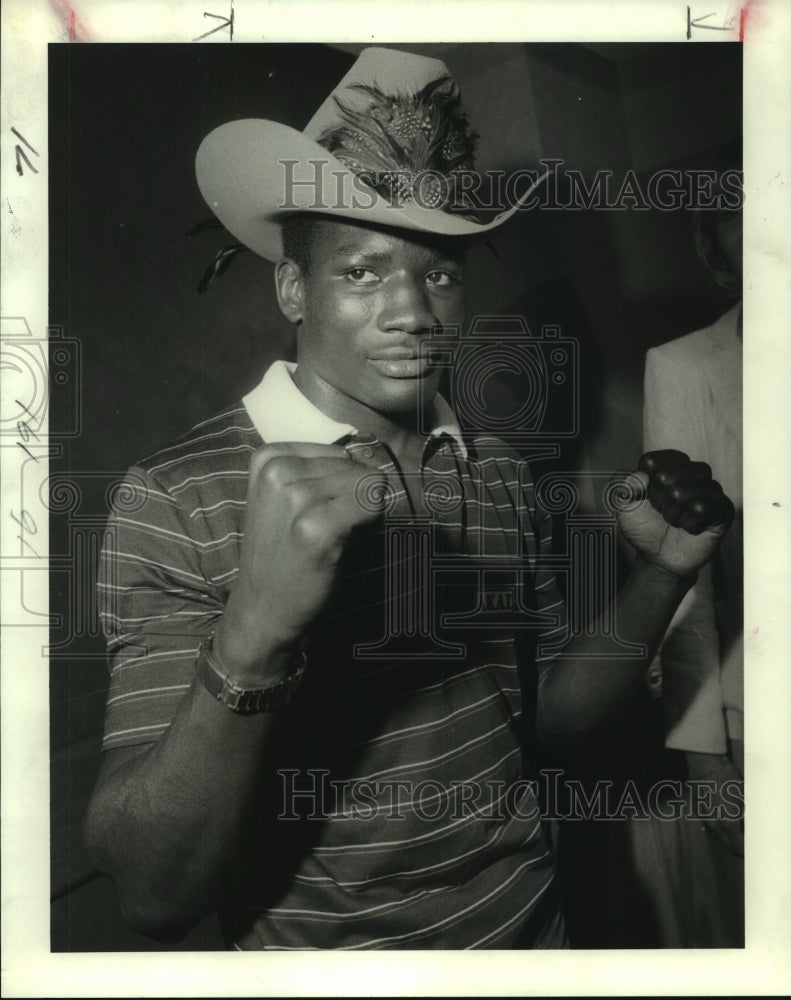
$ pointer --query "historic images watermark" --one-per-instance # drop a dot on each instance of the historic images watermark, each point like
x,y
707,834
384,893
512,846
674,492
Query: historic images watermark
x,y
311,794
318,185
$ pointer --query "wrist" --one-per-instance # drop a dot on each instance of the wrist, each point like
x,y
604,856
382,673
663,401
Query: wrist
x,y
246,698
662,575
251,665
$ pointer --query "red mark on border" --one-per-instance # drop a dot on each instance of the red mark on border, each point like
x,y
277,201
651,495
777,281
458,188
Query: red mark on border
x,y
67,16
744,11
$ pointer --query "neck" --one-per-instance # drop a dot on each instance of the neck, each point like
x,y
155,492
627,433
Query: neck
x,y
400,431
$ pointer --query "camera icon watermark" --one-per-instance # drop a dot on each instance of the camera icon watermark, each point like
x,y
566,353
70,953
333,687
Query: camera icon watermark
x,y
41,375
504,381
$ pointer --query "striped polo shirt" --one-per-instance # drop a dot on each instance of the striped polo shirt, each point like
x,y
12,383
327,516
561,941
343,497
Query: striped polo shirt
x,y
399,810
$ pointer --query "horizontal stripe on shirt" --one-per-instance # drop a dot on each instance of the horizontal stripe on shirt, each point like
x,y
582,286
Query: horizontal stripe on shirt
x,y
481,880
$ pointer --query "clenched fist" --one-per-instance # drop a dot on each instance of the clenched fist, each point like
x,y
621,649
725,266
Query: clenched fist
x,y
687,514
302,506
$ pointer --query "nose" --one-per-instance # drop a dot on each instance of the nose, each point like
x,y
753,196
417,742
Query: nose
x,y
408,308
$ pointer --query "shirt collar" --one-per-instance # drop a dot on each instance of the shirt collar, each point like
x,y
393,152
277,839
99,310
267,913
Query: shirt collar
x,y
280,412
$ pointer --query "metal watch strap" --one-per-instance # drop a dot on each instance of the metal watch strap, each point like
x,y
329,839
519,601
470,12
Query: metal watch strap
x,y
245,701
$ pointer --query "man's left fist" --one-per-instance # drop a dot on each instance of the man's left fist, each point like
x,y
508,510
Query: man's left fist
x,y
687,514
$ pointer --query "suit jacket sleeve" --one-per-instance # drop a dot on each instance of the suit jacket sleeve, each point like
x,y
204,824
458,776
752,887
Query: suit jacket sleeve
x,y
690,658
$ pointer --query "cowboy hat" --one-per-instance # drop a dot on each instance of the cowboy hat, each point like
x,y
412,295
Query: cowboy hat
x,y
394,115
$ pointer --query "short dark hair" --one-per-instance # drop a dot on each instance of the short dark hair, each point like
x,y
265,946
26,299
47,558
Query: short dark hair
x,y
299,234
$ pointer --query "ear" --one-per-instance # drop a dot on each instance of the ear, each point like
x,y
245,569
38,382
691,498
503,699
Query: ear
x,y
290,287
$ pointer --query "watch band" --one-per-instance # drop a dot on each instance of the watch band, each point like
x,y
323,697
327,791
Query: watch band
x,y
245,701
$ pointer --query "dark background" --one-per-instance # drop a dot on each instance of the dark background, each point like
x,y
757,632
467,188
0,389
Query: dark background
x,y
147,357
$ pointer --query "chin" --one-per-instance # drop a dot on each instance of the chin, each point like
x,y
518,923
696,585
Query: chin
x,y
408,396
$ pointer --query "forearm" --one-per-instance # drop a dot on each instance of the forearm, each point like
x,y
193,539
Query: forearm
x,y
587,686
173,825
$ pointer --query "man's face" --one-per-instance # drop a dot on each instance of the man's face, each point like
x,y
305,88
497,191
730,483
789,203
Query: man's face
x,y
369,300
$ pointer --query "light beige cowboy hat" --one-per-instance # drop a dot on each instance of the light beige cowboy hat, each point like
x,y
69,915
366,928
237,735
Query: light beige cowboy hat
x,y
393,111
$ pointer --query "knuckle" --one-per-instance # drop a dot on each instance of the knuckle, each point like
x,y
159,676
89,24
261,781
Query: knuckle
x,y
296,495
656,462
273,474
309,530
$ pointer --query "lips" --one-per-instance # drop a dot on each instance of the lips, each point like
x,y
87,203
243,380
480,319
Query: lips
x,y
404,367
403,362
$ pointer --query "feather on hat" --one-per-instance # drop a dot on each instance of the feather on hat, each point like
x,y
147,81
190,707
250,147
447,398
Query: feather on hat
x,y
393,118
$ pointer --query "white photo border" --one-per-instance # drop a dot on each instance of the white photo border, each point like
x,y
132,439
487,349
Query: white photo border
x,y
764,966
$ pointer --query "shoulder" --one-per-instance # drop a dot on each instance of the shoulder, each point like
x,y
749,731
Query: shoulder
x,y
180,510
681,350
676,369
220,445
205,469
694,347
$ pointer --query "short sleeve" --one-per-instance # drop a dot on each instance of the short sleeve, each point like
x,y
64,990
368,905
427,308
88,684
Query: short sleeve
x,y
155,606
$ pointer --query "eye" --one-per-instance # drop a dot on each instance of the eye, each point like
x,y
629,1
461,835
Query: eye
x,y
440,279
361,276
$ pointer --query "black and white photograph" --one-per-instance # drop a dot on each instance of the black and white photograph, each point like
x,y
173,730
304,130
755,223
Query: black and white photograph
x,y
389,510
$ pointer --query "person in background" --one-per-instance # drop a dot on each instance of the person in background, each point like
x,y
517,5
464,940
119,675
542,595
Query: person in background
x,y
693,402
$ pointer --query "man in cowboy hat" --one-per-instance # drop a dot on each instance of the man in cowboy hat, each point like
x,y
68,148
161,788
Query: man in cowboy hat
x,y
303,731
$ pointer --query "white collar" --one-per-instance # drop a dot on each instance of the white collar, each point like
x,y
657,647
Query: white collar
x,y
280,412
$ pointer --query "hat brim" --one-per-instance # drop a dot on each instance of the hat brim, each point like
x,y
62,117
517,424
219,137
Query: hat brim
x,y
254,173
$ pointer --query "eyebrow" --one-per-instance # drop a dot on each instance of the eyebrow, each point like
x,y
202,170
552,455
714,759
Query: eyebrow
x,y
355,250
371,256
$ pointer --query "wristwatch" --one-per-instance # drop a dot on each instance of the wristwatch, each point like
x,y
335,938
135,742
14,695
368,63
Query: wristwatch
x,y
246,701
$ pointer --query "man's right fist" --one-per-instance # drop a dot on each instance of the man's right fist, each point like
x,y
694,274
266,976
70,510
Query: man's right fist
x,y
302,507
